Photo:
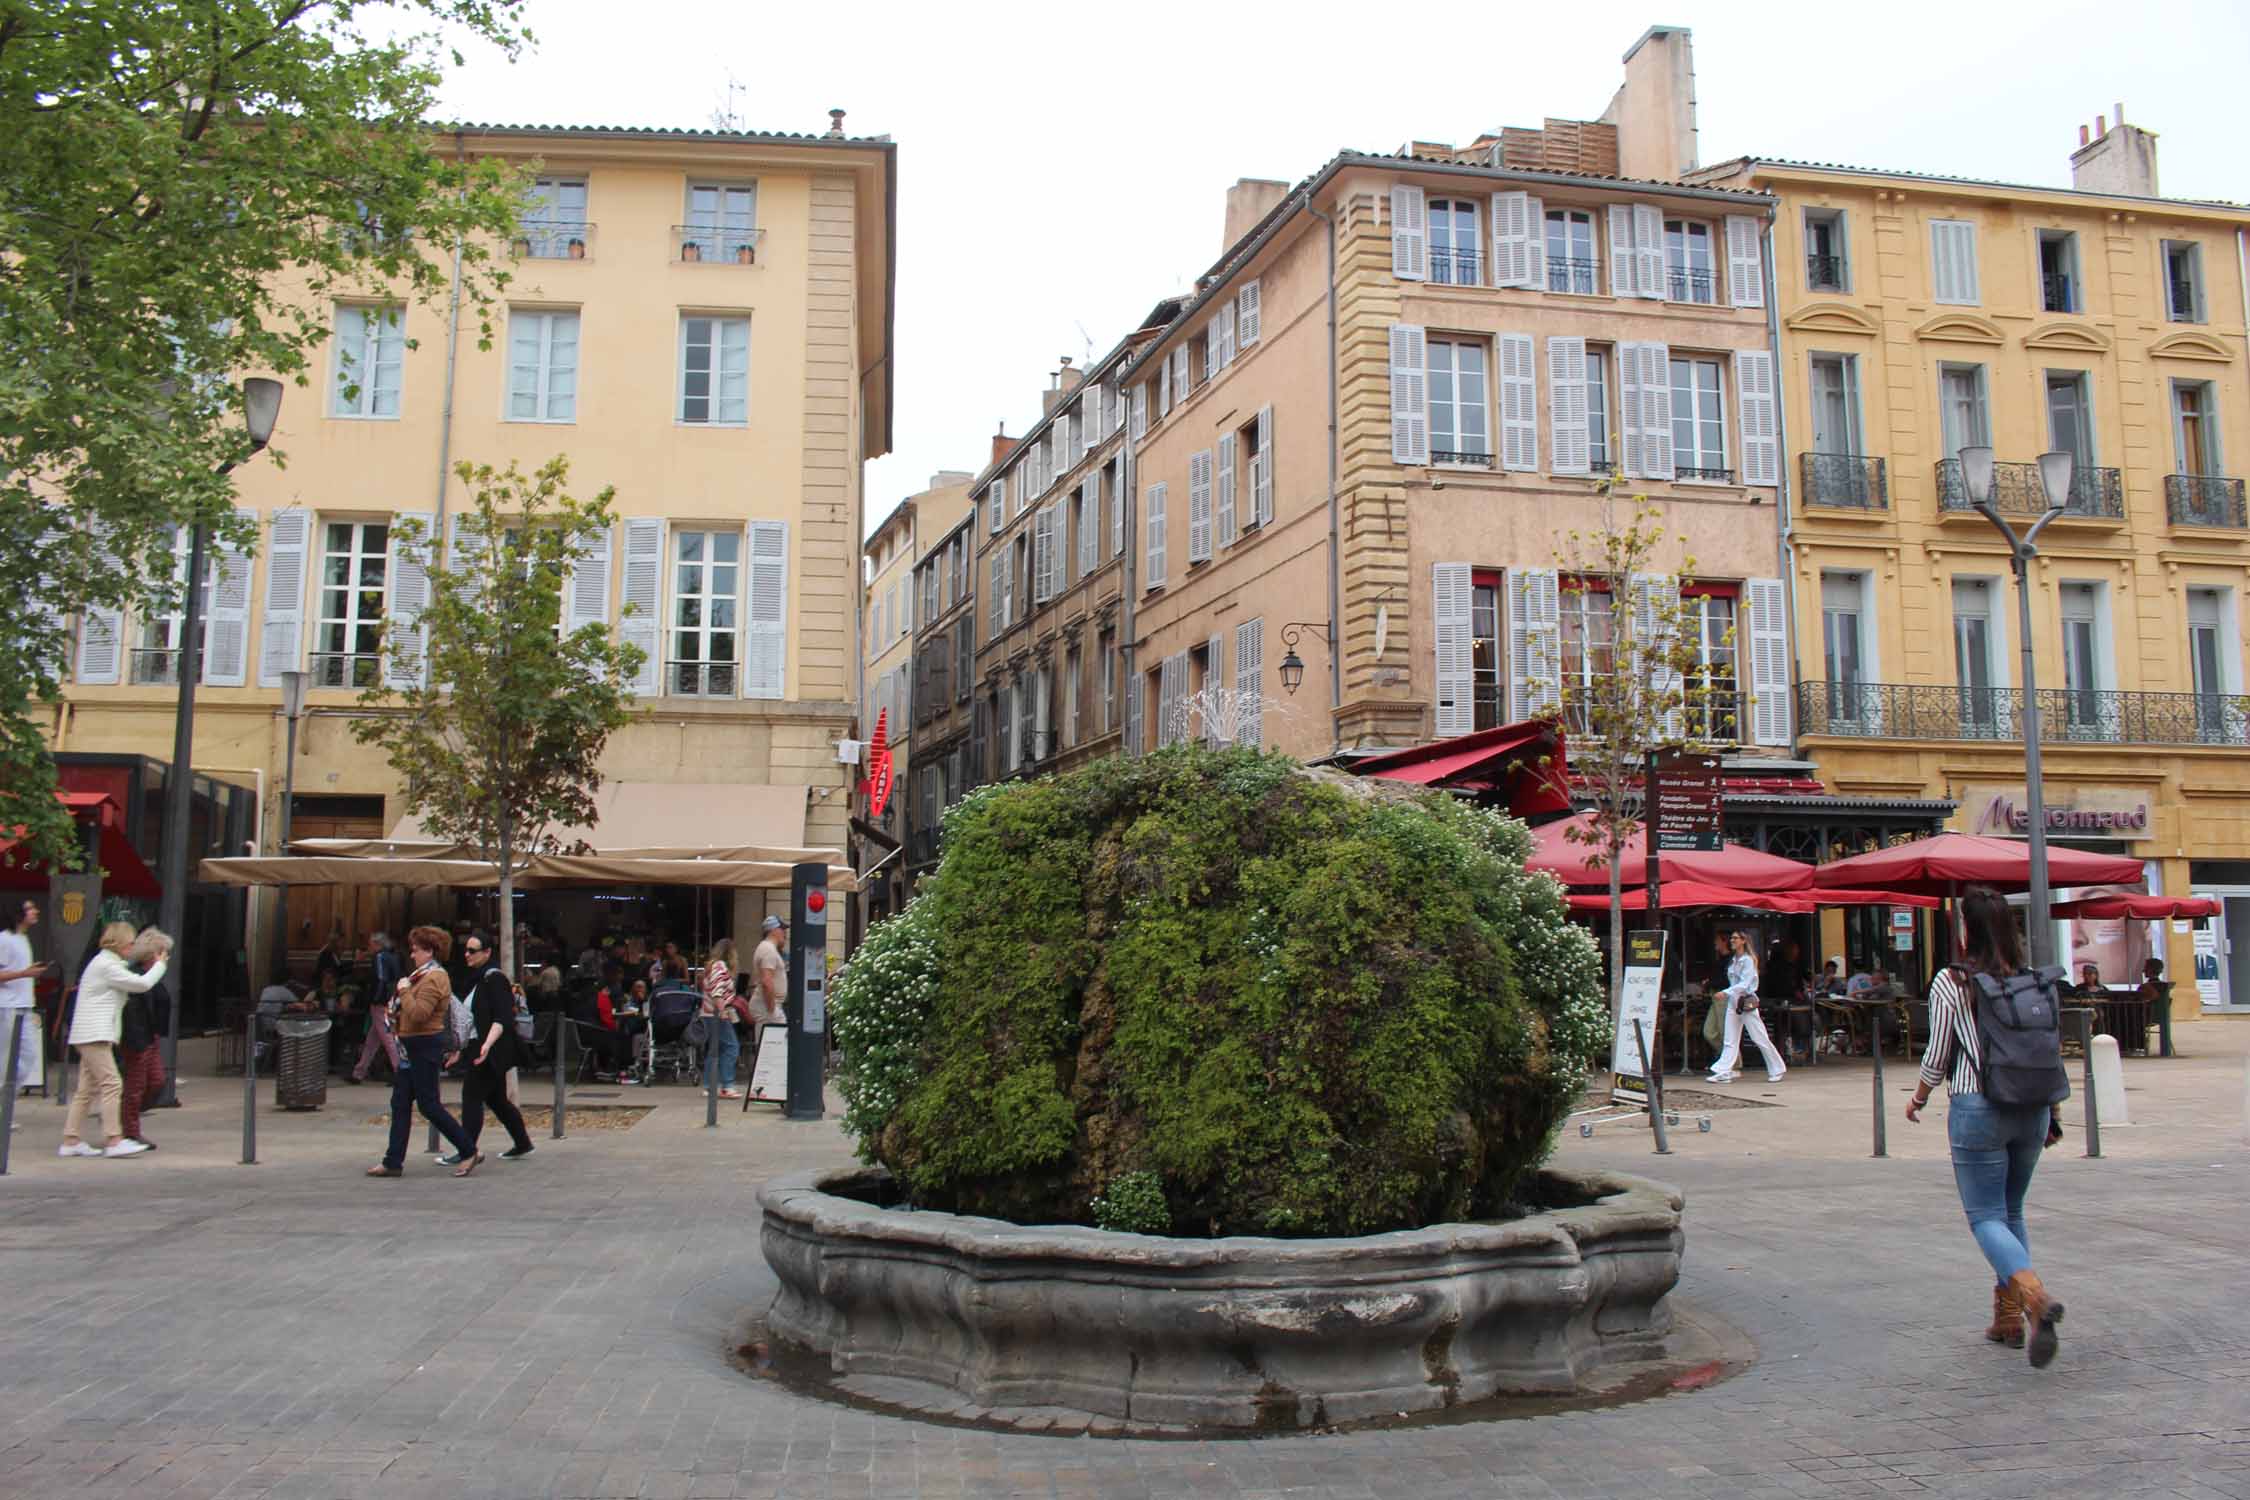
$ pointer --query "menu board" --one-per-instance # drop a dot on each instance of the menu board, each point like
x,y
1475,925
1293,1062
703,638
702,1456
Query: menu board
x,y
1644,980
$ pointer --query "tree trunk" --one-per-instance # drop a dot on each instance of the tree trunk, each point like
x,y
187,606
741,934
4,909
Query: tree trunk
x,y
1616,929
507,922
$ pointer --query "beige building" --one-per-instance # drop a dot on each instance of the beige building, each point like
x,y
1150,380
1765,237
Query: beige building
x,y
701,320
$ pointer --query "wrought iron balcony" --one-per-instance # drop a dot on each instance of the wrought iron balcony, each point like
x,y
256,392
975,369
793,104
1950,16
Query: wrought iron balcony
x,y
2181,308
2017,490
1932,711
1601,466
1682,284
2060,296
702,679
1460,456
555,239
345,669
715,244
1036,746
1846,481
2204,500
1824,273
155,666
1709,475
1456,267
1566,274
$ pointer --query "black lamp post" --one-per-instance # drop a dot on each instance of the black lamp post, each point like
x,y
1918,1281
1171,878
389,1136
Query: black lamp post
x,y
261,406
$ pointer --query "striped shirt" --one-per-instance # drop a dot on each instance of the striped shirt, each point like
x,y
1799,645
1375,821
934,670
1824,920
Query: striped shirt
x,y
1952,1057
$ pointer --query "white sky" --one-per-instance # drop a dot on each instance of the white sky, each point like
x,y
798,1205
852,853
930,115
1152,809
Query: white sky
x,y
1057,177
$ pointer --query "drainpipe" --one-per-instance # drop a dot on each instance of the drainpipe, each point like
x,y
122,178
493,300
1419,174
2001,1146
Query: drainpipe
x,y
1335,509
452,363
1785,550
1129,659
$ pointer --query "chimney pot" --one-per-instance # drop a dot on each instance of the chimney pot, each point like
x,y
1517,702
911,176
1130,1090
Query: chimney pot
x,y
2084,135
836,122
2101,126
2120,112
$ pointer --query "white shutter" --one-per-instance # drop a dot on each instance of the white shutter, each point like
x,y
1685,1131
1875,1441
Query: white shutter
x,y
1043,555
766,650
1535,243
1572,451
996,503
1511,239
1224,500
1623,261
1140,410
226,631
1534,642
586,589
1519,404
101,645
1090,525
1250,679
1746,268
1181,376
1163,387
50,614
1452,596
1655,601
1171,694
1117,511
1756,400
463,538
1220,341
1410,405
1629,410
281,635
1656,410
996,612
1953,261
1410,235
1154,568
405,642
1199,507
1215,717
1648,250
643,623
1248,313
1767,608
1059,456
1261,480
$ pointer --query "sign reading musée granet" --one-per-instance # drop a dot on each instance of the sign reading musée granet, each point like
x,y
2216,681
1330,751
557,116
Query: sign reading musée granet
x,y
2082,812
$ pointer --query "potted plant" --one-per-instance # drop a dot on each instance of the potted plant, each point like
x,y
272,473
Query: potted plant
x,y
523,247
691,250
577,249
745,254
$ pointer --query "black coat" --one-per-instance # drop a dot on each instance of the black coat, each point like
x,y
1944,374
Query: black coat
x,y
493,1003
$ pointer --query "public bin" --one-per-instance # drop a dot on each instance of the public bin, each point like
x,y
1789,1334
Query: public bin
x,y
300,1073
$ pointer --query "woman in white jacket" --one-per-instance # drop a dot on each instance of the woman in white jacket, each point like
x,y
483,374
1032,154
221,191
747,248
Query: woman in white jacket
x,y
1741,997
94,1030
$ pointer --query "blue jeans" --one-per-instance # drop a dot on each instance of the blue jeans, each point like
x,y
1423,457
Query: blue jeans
x,y
730,1048
422,1059
1995,1150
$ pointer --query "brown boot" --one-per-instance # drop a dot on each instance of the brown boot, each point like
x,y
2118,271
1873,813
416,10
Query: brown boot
x,y
2007,1318
2040,1315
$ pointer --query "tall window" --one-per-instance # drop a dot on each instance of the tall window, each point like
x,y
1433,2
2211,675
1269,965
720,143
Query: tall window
x,y
1974,658
2195,431
1460,430
347,646
370,361
2058,272
1453,242
722,221
1835,403
2208,665
1688,273
715,371
1844,646
157,660
1699,421
1598,456
1587,642
1825,251
1109,680
554,216
542,367
706,589
1962,417
1570,251
1707,625
2082,666
1487,653
2183,281
2070,421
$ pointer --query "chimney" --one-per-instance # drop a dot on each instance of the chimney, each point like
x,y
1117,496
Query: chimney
x,y
835,124
1057,388
1002,444
1249,201
2120,160
1655,111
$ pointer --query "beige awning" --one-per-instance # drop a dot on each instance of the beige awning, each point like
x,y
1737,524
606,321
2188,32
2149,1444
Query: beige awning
x,y
684,819
543,872
337,869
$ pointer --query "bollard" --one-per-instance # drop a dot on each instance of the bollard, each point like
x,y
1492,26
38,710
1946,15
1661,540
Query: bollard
x,y
2109,1081
8,1080
250,1091
1882,1141
562,1067
1655,1092
2093,1110
711,1077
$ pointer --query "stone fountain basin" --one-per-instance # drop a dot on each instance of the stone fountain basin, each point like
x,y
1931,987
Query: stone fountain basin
x,y
1243,1332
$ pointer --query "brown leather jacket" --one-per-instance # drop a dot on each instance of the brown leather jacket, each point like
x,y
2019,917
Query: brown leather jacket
x,y
428,1003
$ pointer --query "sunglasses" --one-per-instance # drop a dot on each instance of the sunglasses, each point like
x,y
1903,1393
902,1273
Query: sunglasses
x,y
472,948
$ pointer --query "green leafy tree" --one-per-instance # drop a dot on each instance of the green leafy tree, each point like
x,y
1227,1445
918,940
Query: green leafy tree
x,y
503,740
184,187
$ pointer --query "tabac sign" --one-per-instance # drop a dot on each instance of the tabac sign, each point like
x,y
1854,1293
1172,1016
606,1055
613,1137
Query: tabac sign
x,y
2085,812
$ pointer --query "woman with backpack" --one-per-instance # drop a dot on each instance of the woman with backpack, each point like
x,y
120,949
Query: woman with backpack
x,y
1999,1117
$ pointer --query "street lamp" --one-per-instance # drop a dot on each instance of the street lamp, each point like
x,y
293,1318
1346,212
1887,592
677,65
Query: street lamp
x,y
261,407
292,709
1293,665
2055,475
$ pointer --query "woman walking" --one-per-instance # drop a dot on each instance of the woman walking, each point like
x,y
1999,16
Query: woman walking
x,y
422,1016
1995,1146
385,964
1741,996
492,1008
95,1029
718,1012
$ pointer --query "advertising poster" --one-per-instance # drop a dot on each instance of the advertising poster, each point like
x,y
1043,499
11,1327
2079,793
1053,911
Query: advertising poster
x,y
1644,980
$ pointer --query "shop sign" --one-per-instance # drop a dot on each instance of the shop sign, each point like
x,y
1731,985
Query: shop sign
x,y
2087,812
1686,814
2207,965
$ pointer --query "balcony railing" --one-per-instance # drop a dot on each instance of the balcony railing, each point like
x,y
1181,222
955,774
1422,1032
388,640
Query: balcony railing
x,y
2181,307
1931,711
555,239
1456,267
703,679
1037,746
1682,284
2018,490
1824,273
345,669
1711,475
1461,456
2058,292
716,245
1567,274
1601,466
1847,481
2204,500
155,666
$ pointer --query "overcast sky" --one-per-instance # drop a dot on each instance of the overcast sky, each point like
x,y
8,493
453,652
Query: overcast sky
x,y
1062,169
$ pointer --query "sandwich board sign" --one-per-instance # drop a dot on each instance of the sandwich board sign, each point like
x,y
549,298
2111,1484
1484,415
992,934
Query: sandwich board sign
x,y
1644,980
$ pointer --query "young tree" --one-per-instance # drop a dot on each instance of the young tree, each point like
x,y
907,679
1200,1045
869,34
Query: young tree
x,y
503,739
183,191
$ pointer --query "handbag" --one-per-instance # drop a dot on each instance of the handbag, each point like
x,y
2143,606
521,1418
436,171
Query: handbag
x,y
698,1031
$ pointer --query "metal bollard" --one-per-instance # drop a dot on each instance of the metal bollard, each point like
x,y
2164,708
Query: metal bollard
x,y
562,1068
2093,1111
1882,1141
1655,1092
8,1086
250,1091
711,1079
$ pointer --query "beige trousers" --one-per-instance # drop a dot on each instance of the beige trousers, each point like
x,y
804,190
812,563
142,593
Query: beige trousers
x,y
100,1090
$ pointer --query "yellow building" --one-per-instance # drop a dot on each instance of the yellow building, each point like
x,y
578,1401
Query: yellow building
x,y
1921,315
700,319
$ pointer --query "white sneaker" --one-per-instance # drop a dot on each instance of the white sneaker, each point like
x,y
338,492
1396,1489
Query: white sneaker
x,y
1777,1077
77,1148
1722,1078
126,1147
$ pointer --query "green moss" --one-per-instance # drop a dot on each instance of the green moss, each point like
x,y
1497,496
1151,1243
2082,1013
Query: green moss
x,y
1294,1010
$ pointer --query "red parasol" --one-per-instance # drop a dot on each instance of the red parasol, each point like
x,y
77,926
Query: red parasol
x,y
1939,865
2145,908
1731,866
1681,895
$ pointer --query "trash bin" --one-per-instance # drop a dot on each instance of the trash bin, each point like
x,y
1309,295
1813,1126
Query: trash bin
x,y
300,1073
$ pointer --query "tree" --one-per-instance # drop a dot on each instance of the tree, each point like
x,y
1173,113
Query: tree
x,y
1647,689
502,741
185,188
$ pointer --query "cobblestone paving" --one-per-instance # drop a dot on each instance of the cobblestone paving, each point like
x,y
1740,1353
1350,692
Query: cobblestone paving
x,y
181,1327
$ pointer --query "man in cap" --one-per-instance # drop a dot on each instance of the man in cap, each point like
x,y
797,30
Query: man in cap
x,y
769,970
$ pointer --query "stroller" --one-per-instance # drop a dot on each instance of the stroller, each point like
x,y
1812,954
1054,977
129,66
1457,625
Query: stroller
x,y
669,1050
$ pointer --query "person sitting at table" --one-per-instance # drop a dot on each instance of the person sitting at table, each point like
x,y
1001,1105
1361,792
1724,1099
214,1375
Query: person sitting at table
x,y
2156,993
2089,986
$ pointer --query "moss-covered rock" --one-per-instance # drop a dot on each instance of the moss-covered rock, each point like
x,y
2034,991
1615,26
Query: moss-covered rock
x,y
1307,1008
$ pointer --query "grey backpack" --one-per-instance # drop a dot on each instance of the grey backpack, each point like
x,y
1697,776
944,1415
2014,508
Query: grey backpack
x,y
2019,1036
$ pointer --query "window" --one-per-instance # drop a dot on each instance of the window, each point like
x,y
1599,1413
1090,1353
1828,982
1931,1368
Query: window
x,y
2211,666
1953,261
2195,428
2183,281
1070,699
1835,403
1699,421
2058,272
157,659
1963,419
1254,441
542,366
1599,458
722,222
1827,268
1453,243
1587,638
1460,425
1570,251
1688,273
370,361
554,219
2082,665
1487,662
2070,423
715,371
1843,628
1708,627
1152,570
706,591
347,648
1976,658
1108,660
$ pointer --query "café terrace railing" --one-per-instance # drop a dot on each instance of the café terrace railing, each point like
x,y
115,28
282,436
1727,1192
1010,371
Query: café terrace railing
x,y
1932,711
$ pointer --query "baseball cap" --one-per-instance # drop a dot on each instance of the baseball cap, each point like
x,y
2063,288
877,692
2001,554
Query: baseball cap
x,y
774,924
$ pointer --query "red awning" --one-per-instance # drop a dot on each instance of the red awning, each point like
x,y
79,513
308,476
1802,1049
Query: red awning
x,y
123,873
1939,865
1526,761
1682,895
2143,908
1730,865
